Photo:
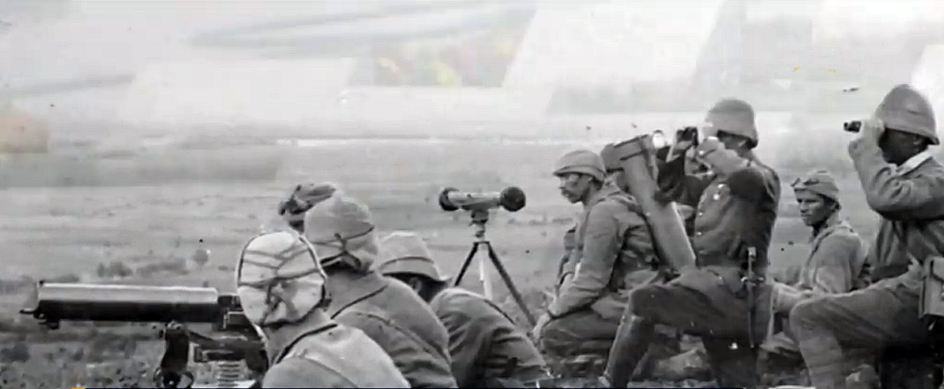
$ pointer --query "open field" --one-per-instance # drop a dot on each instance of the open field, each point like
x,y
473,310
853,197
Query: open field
x,y
154,229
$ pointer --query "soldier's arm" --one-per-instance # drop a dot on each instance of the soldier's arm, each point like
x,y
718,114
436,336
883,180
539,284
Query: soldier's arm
x,y
745,180
834,261
469,342
568,262
891,195
601,245
676,184
406,352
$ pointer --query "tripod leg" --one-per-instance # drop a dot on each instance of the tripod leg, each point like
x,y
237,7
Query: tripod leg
x,y
465,265
510,284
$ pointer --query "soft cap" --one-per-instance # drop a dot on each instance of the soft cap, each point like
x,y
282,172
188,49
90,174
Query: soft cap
x,y
581,161
341,229
279,279
405,252
820,182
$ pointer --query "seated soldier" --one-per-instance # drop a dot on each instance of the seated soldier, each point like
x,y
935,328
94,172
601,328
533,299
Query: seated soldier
x,y
392,314
613,254
281,287
835,263
486,347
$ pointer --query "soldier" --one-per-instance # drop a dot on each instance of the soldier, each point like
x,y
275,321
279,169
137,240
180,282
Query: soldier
x,y
613,254
486,347
301,200
723,300
281,287
904,184
392,314
836,261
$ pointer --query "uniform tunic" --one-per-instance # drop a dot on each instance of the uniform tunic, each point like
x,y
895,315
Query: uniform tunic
x,y
328,355
908,198
735,208
484,342
613,254
395,317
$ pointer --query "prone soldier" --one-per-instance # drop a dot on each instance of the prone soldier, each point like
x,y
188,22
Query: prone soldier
x,y
393,315
486,347
723,300
281,289
904,184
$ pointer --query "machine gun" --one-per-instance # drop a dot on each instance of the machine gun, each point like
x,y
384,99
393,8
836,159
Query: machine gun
x,y
234,339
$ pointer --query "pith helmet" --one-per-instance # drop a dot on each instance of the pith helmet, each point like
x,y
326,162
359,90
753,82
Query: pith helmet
x,y
581,161
406,253
342,231
279,279
907,110
733,116
820,182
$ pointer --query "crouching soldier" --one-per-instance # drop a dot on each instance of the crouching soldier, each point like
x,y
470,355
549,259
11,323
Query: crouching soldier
x,y
904,184
836,262
613,254
282,290
487,349
724,300
392,314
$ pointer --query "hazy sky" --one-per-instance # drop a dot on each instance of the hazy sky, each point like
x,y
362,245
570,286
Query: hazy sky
x,y
569,42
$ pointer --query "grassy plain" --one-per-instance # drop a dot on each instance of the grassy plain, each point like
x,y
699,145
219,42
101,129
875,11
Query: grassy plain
x,y
154,229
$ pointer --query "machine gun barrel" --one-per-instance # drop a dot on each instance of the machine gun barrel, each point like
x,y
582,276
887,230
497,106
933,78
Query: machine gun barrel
x,y
55,302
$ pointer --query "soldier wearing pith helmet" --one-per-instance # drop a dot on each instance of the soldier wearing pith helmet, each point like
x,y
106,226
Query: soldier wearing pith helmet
x,y
486,347
613,253
904,184
723,300
341,230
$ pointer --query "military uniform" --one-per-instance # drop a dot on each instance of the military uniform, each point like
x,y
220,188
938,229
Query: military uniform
x,y
736,208
486,348
613,254
390,313
281,288
910,200
329,356
836,264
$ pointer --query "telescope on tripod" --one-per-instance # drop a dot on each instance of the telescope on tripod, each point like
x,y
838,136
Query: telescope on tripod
x,y
512,199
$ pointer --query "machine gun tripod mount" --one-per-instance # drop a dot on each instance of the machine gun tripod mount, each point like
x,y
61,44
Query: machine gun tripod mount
x,y
233,338
479,204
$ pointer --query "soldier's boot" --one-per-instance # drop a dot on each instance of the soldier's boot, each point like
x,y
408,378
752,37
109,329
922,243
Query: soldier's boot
x,y
628,350
734,363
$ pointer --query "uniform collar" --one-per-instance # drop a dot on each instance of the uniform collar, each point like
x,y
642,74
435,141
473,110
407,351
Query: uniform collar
x,y
605,191
831,224
346,288
912,163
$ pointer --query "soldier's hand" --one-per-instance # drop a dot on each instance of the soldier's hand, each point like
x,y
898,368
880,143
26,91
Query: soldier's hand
x,y
871,129
539,326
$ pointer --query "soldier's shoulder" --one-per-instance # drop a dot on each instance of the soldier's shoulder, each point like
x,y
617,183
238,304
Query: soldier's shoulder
x,y
618,203
295,372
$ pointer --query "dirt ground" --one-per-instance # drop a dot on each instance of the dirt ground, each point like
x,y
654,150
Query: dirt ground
x,y
149,234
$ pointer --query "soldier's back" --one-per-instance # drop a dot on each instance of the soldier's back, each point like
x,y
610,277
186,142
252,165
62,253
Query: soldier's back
x,y
340,357
486,343
395,317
